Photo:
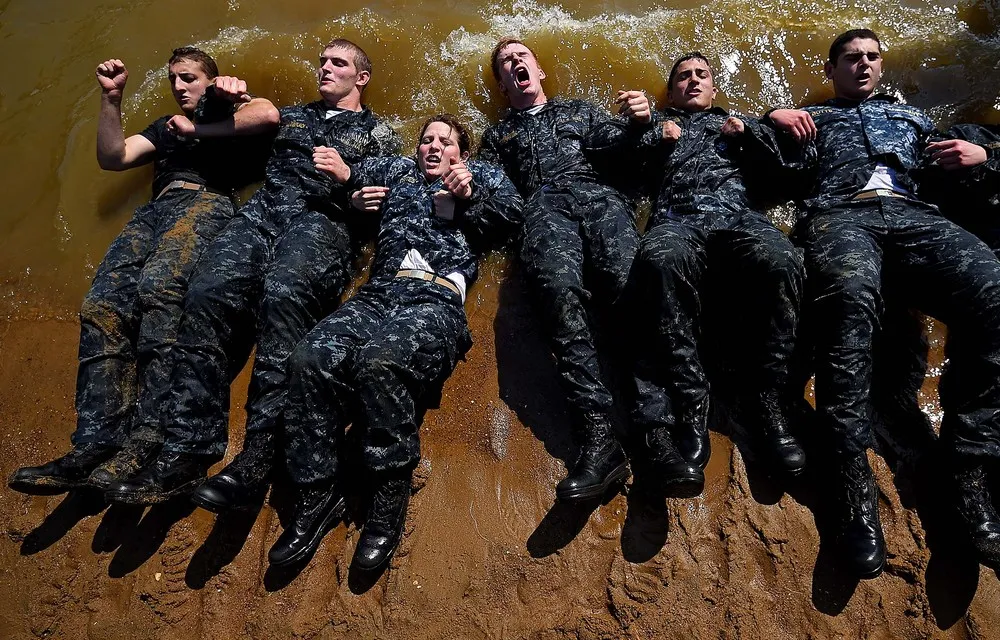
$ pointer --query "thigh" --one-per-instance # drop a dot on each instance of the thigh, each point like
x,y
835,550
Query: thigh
x,y
333,343
843,261
118,274
611,239
313,254
552,249
230,274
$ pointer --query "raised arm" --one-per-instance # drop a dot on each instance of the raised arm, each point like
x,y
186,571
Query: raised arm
x,y
252,115
115,152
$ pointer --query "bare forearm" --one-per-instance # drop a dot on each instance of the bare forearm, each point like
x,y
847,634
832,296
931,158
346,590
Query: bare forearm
x,y
110,136
256,116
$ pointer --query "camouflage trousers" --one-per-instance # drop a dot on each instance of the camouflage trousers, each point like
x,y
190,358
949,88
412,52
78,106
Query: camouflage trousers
x,y
572,234
725,266
935,267
130,315
250,288
378,362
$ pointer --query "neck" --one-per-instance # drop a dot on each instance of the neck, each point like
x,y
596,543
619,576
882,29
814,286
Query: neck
x,y
350,102
524,101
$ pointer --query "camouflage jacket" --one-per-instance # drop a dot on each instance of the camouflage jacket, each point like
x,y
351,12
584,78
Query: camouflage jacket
x,y
546,148
290,172
702,172
852,138
492,214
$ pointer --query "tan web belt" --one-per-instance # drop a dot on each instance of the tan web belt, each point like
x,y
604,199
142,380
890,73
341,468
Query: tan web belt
x,y
190,186
429,277
878,193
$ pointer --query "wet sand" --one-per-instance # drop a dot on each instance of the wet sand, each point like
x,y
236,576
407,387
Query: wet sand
x,y
486,553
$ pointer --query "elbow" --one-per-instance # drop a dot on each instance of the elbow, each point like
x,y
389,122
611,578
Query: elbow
x,y
110,163
271,116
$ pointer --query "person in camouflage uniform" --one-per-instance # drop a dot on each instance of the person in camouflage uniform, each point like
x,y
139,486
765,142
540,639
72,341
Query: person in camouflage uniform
x,y
272,273
863,223
705,221
573,222
384,355
130,315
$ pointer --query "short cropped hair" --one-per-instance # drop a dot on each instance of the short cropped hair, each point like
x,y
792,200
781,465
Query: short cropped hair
x,y
694,55
843,39
194,54
361,60
495,56
464,138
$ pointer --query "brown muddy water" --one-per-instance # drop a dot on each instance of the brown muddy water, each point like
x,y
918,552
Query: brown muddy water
x,y
486,554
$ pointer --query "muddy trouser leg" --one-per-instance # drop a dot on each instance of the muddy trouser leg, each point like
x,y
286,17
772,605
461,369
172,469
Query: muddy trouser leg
x,y
320,400
843,258
766,274
405,363
957,279
109,326
162,288
215,336
309,271
553,254
665,291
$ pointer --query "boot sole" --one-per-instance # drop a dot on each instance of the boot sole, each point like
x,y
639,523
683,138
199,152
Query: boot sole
x,y
335,514
45,487
683,487
217,507
620,474
139,498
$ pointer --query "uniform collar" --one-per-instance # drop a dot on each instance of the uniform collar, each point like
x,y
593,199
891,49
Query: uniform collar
x,y
877,97
673,111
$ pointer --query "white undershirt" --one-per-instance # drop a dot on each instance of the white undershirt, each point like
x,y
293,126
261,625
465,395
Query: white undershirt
x,y
885,178
535,109
333,112
413,260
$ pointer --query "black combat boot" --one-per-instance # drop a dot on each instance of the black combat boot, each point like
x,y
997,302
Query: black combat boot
x,y
172,474
136,455
62,474
318,508
384,525
243,483
691,433
975,506
860,538
767,418
601,462
669,471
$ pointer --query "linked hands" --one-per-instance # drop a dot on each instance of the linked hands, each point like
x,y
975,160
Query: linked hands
x,y
634,105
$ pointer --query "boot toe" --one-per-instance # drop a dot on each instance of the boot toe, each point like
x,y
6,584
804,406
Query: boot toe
x,y
217,494
38,481
373,552
791,458
101,479
697,450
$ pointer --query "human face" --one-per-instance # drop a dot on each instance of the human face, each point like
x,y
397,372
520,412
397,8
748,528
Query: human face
x,y
438,150
188,82
338,76
520,76
857,71
694,87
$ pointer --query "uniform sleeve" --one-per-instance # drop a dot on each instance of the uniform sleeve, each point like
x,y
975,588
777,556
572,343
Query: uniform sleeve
x,y
793,165
489,151
385,141
156,132
374,172
494,212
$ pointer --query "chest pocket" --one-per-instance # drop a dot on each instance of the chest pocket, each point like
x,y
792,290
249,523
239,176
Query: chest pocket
x,y
899,134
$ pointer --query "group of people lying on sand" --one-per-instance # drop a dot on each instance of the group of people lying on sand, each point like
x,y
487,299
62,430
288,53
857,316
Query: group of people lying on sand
x,y
193,283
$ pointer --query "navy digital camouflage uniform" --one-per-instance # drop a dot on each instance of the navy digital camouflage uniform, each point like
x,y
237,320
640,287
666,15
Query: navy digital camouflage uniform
x,y
379,358
271,275
574,222
851,245
130,315
705,228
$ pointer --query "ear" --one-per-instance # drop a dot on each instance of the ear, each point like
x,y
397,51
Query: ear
x,y
363,78
465,156
541,73
503,89
828,70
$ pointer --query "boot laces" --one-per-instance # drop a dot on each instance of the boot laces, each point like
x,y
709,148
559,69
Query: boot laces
x,y
385,504
859,485
975,501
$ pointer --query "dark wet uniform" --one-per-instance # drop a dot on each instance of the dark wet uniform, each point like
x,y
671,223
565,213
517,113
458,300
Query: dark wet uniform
x,y
389,349
130,315
852,244
572,220
271,275
704,227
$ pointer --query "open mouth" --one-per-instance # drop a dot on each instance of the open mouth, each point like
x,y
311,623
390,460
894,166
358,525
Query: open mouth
x,y
522,77
432,159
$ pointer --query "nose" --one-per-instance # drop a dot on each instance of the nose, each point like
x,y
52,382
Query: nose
x,y
178,85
